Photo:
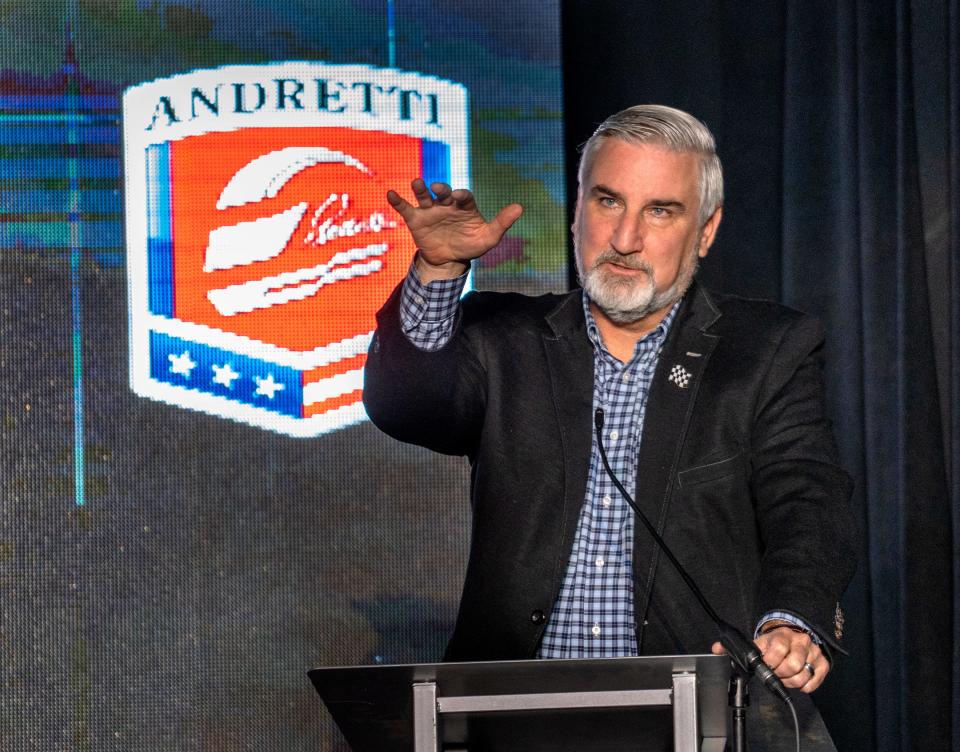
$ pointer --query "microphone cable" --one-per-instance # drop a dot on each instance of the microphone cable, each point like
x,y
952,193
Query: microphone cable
x,y
742,652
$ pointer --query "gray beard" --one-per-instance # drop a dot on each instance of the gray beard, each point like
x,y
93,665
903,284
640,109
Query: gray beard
x,y
626,301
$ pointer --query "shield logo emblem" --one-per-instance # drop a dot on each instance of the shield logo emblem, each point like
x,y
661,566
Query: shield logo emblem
x,y
260,240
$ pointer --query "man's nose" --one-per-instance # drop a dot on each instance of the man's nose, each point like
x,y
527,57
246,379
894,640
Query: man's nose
x,y
628,234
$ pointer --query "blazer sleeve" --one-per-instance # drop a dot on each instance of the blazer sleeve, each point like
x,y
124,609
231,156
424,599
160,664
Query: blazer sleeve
x,y
432,399
800,491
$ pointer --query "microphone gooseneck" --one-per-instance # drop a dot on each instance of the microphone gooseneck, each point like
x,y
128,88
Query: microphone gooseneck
x,y
742,652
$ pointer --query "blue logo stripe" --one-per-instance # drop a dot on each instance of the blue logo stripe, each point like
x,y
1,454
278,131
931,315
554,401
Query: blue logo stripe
x,y
435,162
211,370
159,240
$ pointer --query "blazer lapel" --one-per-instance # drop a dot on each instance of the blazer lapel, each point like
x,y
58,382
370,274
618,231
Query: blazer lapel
x,y
570,364
669,406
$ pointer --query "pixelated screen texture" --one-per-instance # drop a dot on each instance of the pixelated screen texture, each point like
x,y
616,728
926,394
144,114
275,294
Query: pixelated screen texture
x,y
169,574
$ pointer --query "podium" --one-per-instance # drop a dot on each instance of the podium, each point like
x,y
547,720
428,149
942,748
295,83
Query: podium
x,y
658,703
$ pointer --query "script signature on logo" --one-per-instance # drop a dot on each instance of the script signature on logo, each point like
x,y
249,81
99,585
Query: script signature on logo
x,y
323,229
247,243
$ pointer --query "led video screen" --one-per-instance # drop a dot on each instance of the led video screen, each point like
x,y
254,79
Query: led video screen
x,y
195,239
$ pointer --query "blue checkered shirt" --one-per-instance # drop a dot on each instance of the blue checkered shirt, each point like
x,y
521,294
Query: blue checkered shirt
x,y
427,311
593,616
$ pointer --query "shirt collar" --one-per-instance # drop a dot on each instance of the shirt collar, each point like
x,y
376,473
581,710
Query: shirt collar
x,y
656,336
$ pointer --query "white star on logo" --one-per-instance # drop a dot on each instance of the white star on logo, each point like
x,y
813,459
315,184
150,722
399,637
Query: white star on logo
x,y
182,364
267,387
224,375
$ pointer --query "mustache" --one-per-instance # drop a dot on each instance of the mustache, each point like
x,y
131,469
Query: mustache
x,y
628,261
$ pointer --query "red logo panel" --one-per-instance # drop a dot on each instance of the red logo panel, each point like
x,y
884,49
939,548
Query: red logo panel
x,y
284,241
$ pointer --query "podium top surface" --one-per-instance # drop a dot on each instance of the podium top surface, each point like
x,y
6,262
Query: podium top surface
x,y
373,705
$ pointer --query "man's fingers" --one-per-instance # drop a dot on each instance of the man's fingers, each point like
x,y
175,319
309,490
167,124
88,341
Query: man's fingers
x,y
443,194
774,653
821,667
792,664
813,670
795,658
440,194
807,680
786,647
402,206
421,193
446,223
506,217
782,661
464,199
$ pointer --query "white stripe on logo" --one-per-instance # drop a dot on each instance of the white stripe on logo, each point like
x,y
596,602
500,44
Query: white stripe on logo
x,y
333,386
296,285
248,242
264,176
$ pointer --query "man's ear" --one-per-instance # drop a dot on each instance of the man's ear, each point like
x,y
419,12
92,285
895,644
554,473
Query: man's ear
x,y
576,211
708,232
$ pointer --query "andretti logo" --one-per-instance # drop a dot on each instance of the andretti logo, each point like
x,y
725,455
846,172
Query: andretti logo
x,y
260,243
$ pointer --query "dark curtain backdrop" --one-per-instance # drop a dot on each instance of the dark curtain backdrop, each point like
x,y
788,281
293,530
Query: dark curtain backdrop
x,y
839,127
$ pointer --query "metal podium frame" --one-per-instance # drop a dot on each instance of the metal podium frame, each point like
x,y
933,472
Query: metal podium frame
x,y
430,707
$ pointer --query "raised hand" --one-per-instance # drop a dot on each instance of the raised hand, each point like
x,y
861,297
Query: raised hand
x,y
449,229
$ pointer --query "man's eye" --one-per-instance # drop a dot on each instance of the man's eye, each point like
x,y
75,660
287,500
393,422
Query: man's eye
x,y
661,214
607,201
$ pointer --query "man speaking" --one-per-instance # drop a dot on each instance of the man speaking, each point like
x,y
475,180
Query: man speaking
x,y
714,421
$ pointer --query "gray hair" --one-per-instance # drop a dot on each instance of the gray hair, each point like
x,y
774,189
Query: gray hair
x,y
672,129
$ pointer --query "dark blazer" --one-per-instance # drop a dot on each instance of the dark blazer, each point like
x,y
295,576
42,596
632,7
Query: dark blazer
x,y
738,469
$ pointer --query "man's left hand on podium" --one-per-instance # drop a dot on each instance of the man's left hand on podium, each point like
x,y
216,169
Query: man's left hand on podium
x,y
793,656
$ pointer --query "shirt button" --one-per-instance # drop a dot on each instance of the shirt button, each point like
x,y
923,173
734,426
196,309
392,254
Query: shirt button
x,y
596,630
614,435
418,299
625,377
606,500
537,617
599,561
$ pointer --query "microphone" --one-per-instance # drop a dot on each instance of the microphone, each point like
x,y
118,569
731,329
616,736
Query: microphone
x,y
741,651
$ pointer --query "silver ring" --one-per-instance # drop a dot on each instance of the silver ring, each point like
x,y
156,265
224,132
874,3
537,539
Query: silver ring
x,y
809,668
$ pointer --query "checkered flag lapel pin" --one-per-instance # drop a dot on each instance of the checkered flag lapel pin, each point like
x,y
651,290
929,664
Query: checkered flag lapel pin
x,y
680,376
